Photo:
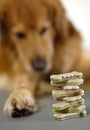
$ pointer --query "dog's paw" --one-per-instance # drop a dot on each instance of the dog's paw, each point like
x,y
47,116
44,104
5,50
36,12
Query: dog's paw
x,y
20,103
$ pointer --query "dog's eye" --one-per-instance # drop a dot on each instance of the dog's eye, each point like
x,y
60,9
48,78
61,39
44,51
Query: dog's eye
x,y
43,31
20,35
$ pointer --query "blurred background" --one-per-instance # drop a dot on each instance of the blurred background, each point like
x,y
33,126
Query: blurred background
x,y
78,11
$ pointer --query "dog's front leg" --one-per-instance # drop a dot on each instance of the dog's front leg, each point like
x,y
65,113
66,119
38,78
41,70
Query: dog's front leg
x,y
21,101
44,88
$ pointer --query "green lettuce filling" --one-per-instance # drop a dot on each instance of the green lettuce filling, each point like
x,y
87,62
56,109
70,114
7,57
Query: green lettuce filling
x,y
67,105
65,83
69,110
69,94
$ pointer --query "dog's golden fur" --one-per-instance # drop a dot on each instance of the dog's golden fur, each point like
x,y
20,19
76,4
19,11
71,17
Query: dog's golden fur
x,y
30,29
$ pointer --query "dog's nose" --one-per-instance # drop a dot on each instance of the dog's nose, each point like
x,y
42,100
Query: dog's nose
x,y
39,64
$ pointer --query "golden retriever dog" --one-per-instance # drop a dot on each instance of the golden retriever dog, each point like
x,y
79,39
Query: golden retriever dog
x,y
36,40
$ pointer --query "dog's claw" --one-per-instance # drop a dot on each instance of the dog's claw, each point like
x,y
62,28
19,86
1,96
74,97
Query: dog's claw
x,y
21,113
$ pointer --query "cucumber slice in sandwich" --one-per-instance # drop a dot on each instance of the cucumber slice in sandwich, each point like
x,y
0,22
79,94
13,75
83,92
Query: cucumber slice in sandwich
x,y
63,105
60,116
73,82
63,93
79,109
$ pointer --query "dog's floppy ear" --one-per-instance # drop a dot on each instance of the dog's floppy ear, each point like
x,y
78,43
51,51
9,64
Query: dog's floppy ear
x,y
3,30
3,26
59,21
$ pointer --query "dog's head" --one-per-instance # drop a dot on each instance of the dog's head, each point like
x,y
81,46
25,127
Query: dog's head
x,y
33,27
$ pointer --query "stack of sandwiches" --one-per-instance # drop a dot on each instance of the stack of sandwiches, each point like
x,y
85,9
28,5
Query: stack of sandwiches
x,y
68,96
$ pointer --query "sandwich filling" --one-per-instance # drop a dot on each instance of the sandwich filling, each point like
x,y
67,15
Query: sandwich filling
x,y
61,116
63,105
63,93
69,99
